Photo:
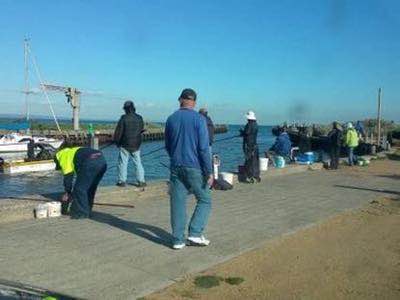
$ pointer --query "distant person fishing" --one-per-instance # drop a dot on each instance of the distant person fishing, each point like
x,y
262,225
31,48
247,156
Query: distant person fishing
x,y
335,137
282,145
351,142
250,148
210,125
128,137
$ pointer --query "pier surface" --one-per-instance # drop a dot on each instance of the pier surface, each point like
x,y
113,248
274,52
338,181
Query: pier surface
x,y
123,252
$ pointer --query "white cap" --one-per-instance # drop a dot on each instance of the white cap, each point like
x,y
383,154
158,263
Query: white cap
x,y
349,125
251,115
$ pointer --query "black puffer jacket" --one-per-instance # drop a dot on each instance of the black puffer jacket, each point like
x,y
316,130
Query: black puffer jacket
x,y
211,129
249,134
128,133
335,138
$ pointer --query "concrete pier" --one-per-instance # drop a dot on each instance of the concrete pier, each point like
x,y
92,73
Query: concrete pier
x,y
106,135
123,253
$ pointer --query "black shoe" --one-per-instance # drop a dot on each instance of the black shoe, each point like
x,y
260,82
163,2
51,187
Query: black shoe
x,y
78,217
121,184
141,184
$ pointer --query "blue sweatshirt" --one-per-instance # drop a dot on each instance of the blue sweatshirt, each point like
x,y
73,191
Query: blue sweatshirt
x,y
187,142
282,145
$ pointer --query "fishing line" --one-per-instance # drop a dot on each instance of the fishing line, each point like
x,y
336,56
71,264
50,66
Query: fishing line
x,y
227,138
154,151
163,148
106,146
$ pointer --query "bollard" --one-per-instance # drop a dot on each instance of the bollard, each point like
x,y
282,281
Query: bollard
x,y
373,150
94,142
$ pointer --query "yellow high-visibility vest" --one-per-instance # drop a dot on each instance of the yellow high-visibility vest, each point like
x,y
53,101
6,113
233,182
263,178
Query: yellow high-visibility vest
x,y
351,138
65,159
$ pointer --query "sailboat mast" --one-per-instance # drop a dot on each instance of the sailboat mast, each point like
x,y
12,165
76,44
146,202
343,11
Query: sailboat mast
x,y
26,78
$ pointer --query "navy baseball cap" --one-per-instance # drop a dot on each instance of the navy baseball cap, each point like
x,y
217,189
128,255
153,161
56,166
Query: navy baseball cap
x,y
188,94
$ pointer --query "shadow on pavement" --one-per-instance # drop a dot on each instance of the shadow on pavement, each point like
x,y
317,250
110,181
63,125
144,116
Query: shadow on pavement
x,y
16,290
394,176
368,189
152,233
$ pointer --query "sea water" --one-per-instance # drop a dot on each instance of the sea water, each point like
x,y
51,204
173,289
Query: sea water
x,y
155,165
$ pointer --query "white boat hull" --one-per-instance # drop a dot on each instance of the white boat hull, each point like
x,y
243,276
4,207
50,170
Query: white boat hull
x,y
26,167
22,146
14,147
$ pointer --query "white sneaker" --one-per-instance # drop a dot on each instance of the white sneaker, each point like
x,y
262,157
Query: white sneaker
x,y
178,246
198,241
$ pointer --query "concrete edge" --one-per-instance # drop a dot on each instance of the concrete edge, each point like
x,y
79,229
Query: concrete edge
x,y
22,208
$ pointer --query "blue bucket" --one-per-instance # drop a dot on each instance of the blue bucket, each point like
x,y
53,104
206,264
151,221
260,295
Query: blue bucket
x,y
279,162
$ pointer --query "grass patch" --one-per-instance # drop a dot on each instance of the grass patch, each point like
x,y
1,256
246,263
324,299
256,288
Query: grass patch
x,y
234,280
187,294
207,281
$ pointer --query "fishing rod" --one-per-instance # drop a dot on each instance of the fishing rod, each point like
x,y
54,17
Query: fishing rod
x,y
106,146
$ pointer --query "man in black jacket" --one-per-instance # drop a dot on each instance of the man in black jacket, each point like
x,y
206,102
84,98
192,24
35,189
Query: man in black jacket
x,y
335,142
210,124
128,137
250,148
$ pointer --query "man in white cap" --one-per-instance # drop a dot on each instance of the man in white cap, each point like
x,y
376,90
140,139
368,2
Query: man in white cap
x,y
351,142
250,148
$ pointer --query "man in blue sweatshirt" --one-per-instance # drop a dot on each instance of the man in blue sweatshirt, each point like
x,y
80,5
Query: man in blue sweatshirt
x,y
282,145
187,143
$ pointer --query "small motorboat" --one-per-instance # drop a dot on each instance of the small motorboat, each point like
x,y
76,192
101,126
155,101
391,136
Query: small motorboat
x,y
15,142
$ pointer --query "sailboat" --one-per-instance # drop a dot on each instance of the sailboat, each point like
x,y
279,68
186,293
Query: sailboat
x,y
15,141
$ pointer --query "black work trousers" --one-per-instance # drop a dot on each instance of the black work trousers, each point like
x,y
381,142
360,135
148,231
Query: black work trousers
x,y
335,154
88,177
252,162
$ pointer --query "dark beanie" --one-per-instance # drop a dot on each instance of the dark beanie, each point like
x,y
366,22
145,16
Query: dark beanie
x,y
129,104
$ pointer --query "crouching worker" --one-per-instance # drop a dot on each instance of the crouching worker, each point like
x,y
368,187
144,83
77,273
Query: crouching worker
x,y
88,166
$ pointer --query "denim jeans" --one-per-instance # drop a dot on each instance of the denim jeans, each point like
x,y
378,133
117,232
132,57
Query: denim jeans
x,y
352,157
182,181
123,160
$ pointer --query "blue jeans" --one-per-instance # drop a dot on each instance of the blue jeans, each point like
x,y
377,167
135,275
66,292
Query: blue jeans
x,y
123,160
352,157
182,181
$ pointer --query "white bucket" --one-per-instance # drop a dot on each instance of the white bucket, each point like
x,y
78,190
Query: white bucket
x,y
264,164
228,177
54,209
41,211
